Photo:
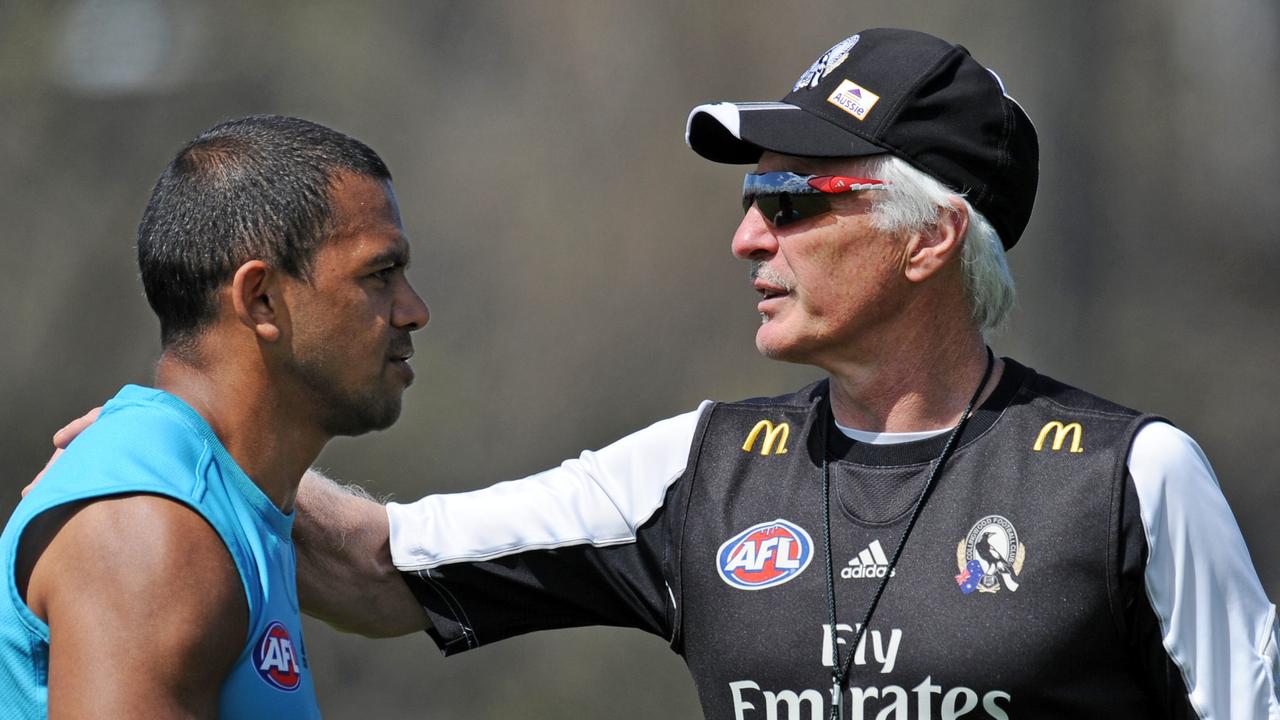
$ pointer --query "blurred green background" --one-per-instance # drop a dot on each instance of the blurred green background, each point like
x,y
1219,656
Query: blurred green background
x,y
575,253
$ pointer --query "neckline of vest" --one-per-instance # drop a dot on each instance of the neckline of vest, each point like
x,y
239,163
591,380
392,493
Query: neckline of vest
x,y
841,448
276,521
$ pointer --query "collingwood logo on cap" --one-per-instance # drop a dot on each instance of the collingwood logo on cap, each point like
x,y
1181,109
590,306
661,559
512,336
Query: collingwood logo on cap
x,y
823,66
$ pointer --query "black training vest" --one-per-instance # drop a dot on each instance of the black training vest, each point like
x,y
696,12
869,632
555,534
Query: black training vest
x,y
1003,605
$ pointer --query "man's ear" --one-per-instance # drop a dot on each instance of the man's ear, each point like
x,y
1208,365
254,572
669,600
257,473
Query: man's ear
x,y
931,249
256,299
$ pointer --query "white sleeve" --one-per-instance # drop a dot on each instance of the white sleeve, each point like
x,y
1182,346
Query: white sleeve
x,y
1217,624
599,498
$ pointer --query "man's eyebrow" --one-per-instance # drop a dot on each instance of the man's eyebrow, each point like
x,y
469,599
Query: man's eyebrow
x,y
395,255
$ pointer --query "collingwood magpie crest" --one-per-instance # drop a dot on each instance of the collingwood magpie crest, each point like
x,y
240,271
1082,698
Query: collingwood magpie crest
x,y
990,557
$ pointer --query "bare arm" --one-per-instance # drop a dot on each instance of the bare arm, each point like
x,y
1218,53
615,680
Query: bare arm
x,y
345,575
145,608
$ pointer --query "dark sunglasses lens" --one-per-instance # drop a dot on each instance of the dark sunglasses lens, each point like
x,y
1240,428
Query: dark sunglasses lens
x,y
784,208
804,207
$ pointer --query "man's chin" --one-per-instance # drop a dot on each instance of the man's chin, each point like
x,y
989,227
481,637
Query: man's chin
x,y
782,347
775,347
365,419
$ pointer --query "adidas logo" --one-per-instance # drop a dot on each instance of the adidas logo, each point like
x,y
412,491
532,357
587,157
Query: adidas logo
x,y
870,563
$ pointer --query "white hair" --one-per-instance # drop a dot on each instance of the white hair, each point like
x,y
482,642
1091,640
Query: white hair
x,y
912,201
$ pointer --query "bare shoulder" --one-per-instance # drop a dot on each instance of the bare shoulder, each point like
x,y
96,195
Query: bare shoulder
x,y
142,588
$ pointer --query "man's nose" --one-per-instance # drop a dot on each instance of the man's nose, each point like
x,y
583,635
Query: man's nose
x,y
410,311
754,239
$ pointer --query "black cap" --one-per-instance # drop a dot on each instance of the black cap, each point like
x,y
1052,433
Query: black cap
x,y
901,92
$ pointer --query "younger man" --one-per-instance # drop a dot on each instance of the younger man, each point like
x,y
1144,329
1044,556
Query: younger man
x,y
151,572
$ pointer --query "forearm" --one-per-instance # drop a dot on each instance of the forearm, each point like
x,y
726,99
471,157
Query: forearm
x,y
345,575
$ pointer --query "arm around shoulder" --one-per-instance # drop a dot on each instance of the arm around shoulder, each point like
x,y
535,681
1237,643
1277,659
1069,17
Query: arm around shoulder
x,y
142,590
345,574
347,570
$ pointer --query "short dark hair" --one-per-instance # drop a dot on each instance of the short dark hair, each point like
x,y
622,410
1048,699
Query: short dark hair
x,y
252,188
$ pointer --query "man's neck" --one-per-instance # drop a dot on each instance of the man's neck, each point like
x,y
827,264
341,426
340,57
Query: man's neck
x,y
262,434
911,384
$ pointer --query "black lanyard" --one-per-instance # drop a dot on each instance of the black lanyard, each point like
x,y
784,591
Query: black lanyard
x,y
839,670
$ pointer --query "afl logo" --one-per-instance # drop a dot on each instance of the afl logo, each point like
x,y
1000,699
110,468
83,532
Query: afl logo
x,y
275,659
765,555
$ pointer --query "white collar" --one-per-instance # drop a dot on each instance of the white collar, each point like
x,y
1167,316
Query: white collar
x,y
888,438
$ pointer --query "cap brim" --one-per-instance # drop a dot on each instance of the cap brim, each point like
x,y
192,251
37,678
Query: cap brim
x,y
738,133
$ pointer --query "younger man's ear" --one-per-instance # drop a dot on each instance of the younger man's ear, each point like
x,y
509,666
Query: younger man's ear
x,y
255,293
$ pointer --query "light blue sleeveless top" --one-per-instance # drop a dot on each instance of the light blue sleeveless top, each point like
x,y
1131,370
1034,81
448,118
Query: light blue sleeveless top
x,y
148,441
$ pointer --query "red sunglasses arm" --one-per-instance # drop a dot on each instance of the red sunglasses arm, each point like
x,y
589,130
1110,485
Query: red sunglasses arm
x,y
840,183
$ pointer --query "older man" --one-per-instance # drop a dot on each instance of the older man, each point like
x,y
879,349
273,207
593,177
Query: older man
x,y
150,574
929,532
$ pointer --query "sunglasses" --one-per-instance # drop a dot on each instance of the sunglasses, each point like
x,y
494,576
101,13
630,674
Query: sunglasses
x,y
784,198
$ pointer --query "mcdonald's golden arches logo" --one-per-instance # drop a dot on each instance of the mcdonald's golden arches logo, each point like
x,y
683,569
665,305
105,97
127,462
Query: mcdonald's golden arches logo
x,y
773,434
1060,434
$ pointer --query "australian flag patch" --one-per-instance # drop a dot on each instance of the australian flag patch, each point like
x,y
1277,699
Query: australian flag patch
x,y
970,576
